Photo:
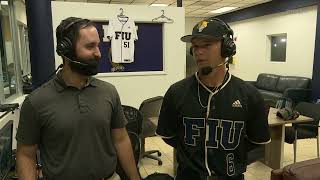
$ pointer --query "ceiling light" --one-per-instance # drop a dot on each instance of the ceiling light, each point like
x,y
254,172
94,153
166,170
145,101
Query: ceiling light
x,y
224,9
283,40
162,5
275,45
4,2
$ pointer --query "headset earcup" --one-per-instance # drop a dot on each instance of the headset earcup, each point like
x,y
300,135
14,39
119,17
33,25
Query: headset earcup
x,y
228,47
59,49
64,46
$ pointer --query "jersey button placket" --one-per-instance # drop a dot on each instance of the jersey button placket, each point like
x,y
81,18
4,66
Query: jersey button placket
x,y
207,131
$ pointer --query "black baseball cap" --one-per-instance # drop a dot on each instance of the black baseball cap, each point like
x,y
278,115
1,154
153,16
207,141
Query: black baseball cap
x,y
208,28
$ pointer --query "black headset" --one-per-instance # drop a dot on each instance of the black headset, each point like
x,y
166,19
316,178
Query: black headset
x,y
228,47
65,46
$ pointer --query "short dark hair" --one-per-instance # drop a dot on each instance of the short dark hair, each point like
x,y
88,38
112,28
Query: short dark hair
x,y
70,28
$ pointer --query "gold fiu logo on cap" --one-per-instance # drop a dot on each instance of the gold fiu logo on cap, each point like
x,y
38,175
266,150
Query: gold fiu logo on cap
x,y
202,25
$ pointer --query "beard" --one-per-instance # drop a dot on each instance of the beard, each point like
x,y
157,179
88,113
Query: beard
x,y
88,66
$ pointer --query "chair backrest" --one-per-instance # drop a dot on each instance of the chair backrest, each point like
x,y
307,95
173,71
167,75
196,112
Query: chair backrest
x,y
134,119
311,110
151,107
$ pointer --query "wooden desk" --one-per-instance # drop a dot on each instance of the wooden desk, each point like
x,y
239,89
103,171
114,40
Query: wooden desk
x,y
274,150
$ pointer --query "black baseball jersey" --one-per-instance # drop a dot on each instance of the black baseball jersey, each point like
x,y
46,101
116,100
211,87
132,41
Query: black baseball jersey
x,y
211,127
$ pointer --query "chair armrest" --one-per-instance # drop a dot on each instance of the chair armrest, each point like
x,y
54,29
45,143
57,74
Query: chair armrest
x,y
277,174
298,94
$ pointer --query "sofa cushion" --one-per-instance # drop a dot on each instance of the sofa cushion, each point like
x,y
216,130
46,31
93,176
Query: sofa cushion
x,y
271,95
305,170
267,81
285,82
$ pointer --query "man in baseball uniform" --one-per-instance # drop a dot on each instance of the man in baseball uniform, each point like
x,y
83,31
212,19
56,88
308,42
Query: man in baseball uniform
x,y
211,116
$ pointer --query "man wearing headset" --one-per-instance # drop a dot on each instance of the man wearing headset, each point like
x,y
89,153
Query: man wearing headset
x,y
75,120
208,117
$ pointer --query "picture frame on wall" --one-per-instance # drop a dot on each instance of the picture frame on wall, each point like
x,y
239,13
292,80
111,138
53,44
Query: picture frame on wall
x,y
148,50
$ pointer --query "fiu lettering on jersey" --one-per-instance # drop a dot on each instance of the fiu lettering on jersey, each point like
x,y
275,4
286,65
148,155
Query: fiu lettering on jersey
x,y
231,133
122,35
106,38
125,37
192,128
229,137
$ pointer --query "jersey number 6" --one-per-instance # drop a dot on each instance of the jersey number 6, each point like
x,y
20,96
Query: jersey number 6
x,y
230,164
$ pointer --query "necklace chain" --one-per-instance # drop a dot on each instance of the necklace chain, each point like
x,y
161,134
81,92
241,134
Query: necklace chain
x,y
213,90
199,96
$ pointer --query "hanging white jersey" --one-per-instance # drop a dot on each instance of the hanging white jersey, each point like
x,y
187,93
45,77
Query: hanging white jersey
x,y
123,33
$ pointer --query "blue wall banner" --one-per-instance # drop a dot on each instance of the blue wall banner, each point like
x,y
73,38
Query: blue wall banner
x,y
148,54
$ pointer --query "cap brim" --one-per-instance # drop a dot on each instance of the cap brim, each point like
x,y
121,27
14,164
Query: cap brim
x,y
188,38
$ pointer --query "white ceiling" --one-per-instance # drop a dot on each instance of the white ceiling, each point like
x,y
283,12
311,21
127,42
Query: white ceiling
x,y
194,8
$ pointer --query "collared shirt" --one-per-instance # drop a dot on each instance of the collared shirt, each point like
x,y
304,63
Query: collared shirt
x,y
72,128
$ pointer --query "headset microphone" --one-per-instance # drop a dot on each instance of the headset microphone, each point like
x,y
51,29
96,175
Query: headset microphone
x,y
76,62
208,69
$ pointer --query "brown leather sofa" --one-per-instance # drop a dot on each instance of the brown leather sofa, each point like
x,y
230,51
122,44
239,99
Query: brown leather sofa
x,y
304,170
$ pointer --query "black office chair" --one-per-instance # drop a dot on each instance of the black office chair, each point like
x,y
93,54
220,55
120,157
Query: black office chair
x,y
134,119
150,108
304,130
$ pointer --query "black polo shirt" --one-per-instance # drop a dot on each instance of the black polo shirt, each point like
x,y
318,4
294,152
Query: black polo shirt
x,y
72,128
